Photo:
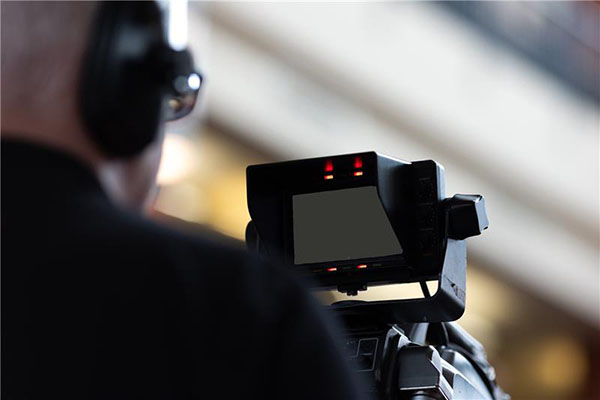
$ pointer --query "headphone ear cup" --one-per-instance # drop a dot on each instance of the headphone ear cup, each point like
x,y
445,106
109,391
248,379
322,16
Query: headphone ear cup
x,y
121,96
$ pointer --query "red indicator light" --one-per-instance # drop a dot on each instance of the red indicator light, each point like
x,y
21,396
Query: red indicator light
x,y
328,177
332,269
361,266
358,163
328,166
358,173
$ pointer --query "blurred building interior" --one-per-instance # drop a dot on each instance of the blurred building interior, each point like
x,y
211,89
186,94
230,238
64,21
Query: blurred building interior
x,y
505,95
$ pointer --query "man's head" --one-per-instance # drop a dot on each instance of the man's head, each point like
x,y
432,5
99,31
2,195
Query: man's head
x,y
43,49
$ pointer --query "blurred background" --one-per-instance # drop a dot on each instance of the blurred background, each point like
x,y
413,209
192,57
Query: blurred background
x,y
505,95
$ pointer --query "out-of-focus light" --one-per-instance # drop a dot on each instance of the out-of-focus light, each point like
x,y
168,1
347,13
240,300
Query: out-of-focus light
x,y
358,173
332,269
177,18
328,177
403,291
361,266
183,200
178,159
561,364
194,81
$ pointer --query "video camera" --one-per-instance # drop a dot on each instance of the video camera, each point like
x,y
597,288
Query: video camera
x,y
359,220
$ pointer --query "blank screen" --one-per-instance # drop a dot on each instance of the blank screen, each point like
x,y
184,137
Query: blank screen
x,y
341,225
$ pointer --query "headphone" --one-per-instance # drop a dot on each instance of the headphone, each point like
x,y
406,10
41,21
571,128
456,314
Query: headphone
x,y
133,80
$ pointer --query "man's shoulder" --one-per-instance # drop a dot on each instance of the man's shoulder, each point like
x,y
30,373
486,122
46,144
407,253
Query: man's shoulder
x,y
137,235
198,254
209,270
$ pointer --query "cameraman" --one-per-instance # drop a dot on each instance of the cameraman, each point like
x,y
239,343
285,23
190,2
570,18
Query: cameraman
x,y
99,302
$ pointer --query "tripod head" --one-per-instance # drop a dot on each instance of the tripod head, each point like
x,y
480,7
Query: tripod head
x,y
359,220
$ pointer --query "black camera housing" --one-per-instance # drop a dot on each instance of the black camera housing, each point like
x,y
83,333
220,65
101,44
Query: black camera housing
x,y
428,228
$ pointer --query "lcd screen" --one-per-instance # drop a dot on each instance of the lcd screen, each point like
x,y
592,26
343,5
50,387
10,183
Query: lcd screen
x,y
341,225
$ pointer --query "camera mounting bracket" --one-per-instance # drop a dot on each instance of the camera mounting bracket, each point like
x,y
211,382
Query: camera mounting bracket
x,y
447,304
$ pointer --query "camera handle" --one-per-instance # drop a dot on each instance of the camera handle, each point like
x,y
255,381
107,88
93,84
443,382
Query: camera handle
x,y
465,216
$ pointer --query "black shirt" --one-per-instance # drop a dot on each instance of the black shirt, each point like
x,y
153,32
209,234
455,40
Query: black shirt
x,y
98,302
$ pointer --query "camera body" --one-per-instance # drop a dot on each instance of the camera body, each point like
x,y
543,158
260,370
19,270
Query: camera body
x,y
358,220
327,216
